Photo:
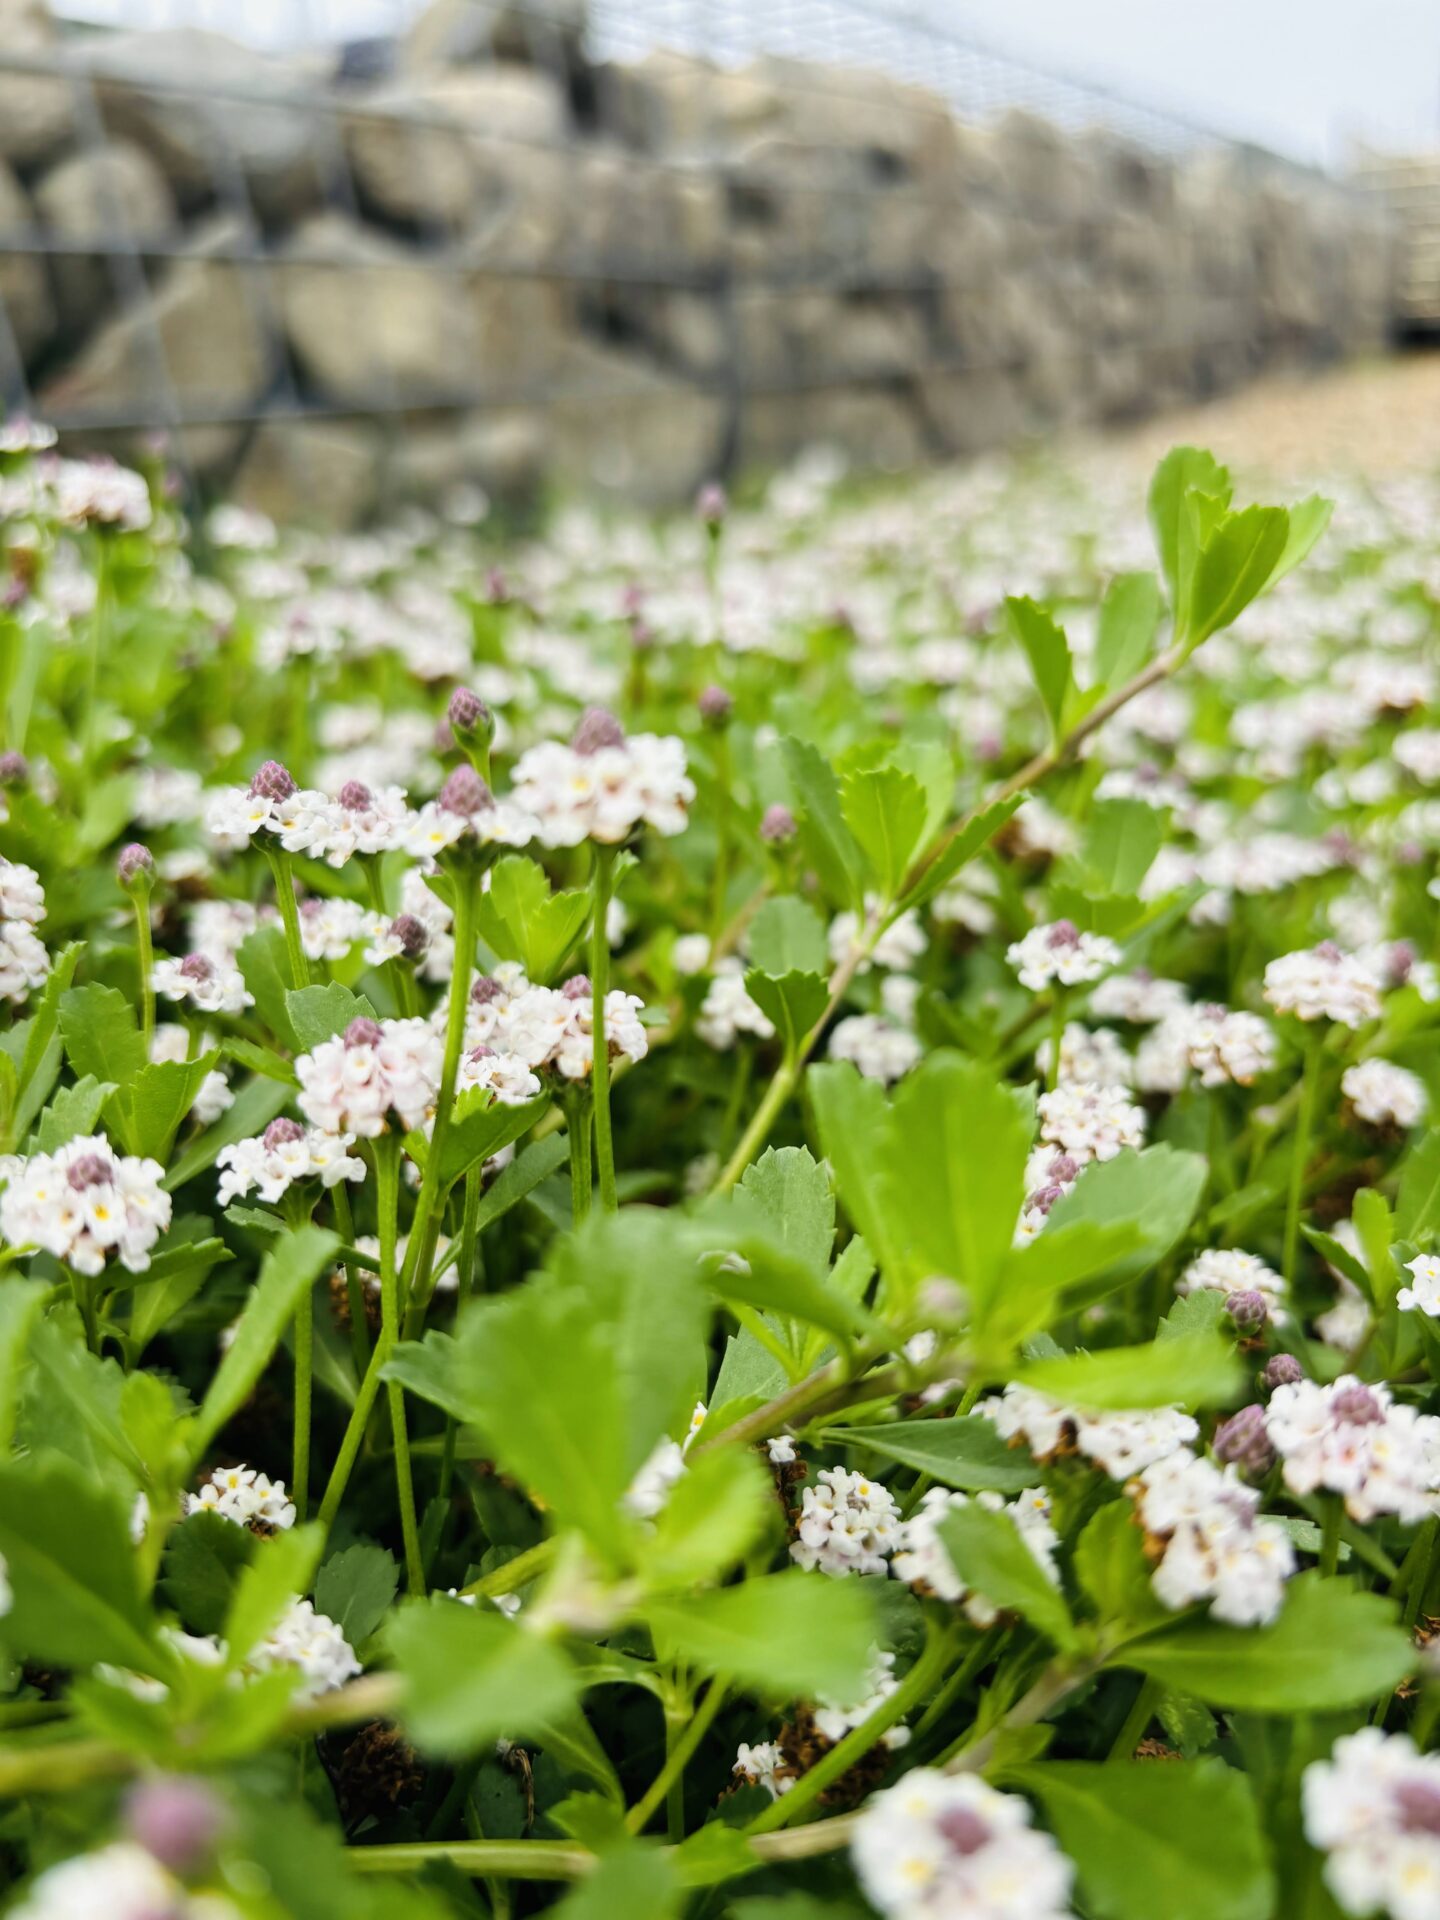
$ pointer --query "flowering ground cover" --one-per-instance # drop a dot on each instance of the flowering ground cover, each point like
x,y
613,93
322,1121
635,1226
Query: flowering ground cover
x,y
727,1217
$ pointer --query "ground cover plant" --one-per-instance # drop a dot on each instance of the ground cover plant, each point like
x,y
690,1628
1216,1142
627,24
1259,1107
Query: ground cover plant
x,y
728,1217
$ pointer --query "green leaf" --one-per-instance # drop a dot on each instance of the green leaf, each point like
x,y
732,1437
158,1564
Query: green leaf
x,y
989,1553
473,1677
1183,470
255,1105
284,1567
1370,1212
1129,620
790,1635
961,1138
1308,520
1121,841
101,1038
853,1119
965,1453
355,1588
480,1127
317,1014
1417,1204
521,1177
960,849
265,968
520,919
828,842
20,1304
1110,1565
204,1557
573,1379
637,1882
1048,652
74,1110
33,1045
1183,1840
1331,1647
73,1572
1156,1190
1233,566
288,1271
715,1513
787,935
145,1113
792,1190
792,1002
884,808
1198,1370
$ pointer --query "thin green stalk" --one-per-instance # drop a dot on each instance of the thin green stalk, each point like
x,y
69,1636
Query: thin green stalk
x,y
519,1859
84,1299
304,1392
679,1750
515,1573
602,874
354,1285
720,885
1142,1712
99,636
858,1742
1304,1124
279,861
145,960
957,1683
578,1134
387,1181
1057,1036
355,1429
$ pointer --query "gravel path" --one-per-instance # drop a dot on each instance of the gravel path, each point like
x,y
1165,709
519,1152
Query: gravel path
x,y
1374,416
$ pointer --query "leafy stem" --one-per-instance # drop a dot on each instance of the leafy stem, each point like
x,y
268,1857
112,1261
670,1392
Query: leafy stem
x,y
1300,1151
284,878
601,879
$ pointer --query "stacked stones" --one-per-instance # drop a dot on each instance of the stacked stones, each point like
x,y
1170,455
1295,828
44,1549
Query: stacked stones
x,y
485,258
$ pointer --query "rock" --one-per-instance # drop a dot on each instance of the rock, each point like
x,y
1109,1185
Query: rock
x,y
440,150
36,111
175,93
374,322
451,33
319,473
618,424
217,358
877,429
24,290
107,196
502,451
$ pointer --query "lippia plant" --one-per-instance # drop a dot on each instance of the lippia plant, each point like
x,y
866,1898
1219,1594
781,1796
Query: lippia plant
x,y
720,1225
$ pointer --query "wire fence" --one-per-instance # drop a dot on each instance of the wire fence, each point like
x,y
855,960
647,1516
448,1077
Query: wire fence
x,y
715,228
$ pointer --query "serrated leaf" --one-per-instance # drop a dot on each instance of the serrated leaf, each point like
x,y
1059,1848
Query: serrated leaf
x,y
1156,1190
73,1110
787,935
961,849
1048,652
1232,567
966,1453
520,919
790,1635
355,1588
884,808
472,1677
827,840
792,1191
1200,1370
1183,470
1417,1204
480,1126
1129,621
989,1553
100,1034
145,1113
317,1014
1122,839
204,1557
791,1002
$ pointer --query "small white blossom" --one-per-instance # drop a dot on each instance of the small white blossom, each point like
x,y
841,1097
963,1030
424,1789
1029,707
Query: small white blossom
x,y
1060,954
1355,1440
1122,1443
1322,983
761,1765
1373,1808
1423,1293
1091,1123
848,1524
921,1557
941,1846
272,1162
1229,1270
1217,1547
880,1049
86,1203
313,1645
604,784
21,895
899,947
209,983
352,1083
728,1010
245,1496
1087,1058
1384,1095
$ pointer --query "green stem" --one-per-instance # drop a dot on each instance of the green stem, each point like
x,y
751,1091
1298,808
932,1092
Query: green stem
x,y
858,1742
99,634
84,1299
145,958
1142,1711
1057,1036
957,1683
468,1274
1304,1123
1420,1576
1330,1533
354,1285
721,882
304,1392
519,1859
279,861
668,1784
515,1573
578,1134
387,1182
602,874
782,1085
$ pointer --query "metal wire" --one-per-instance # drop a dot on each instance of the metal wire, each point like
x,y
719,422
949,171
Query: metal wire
x,y
619,285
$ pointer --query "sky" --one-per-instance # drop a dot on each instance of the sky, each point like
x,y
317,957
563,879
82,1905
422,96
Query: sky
x,y
1306,76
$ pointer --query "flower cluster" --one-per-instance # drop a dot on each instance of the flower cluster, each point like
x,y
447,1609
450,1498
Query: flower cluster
x,y
86,1204
604,784
951,1847
1373,1808
921,1557
1214,1545
354,1084
24,962
246,1496
1357,1441
848,1524
1323,983
551,1027
1121,1444
1061,955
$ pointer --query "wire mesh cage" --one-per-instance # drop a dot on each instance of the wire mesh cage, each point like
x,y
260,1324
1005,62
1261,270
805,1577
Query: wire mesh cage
x,y
633,243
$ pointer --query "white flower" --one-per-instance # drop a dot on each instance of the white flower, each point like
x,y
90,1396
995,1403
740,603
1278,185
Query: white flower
x,y
1384,1095
99,492
1092,1059
503,1074
835,1718
922,1559
1123,1443
1138,998
1423,1293
313,1645
1228,1270
24,963
1223,1046
246,1496
1353,1439
690,954
650,1489
21,895
1091,1123
604,784
1322,983
881,1050
360,820
171,1041
211,984
761,1765
898,948
848,1524
352,1083
728,1010
1374,1809
1061,953
1217,1547
330,928
271,1162
943,1846
119,1882
86,1203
